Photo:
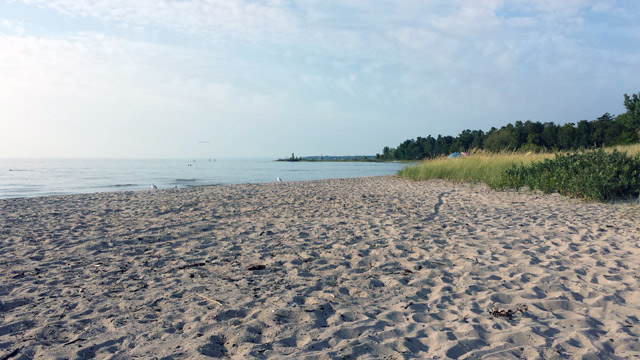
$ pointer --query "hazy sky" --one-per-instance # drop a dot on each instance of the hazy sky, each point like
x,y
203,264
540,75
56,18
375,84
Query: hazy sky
x,y
264,78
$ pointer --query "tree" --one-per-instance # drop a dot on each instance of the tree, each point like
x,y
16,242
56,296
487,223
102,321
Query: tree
x,y
534,132
583,134
550,135
528,135
521,133
426,146
478,139
631,120
463,141
386,153
624,130
443,143
566,135
600,127
503,139
632,104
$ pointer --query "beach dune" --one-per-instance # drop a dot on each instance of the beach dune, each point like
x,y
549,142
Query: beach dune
x,y
367,268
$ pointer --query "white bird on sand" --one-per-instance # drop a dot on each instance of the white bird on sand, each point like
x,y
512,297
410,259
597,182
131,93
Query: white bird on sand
x,y
278,178
154,187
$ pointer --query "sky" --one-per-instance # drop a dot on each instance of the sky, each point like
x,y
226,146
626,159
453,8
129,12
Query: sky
x,y
265,78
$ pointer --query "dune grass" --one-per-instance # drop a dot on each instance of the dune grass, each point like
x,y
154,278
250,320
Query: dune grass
x,y
629,149
614,172
480,166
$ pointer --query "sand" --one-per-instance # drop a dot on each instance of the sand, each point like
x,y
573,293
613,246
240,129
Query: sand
x,y
370,268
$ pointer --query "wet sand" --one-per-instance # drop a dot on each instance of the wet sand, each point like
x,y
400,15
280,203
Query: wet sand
x,y
369,268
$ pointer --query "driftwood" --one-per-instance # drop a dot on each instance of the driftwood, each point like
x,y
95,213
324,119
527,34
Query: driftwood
x,y
210,299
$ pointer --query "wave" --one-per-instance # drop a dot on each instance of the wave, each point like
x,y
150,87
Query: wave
x,y
124,185
184,180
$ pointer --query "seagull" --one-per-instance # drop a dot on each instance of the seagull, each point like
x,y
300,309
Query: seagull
x,y
154,187
278,178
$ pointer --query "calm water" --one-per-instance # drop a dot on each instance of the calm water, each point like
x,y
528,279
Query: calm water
x,y
20,178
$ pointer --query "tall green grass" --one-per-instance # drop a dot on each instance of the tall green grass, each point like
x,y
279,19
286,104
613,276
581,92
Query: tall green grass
x,y
593,177
629,149
478,167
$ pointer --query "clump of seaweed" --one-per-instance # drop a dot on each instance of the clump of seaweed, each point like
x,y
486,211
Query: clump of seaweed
x,y
507,313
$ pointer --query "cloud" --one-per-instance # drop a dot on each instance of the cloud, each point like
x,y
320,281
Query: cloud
x,y
92,90
207,17
107,95
394,31
11,27
237,68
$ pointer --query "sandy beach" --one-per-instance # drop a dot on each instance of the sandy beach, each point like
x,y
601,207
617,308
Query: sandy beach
x,y
367,268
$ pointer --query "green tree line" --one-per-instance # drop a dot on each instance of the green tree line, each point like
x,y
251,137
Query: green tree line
x,y
606,130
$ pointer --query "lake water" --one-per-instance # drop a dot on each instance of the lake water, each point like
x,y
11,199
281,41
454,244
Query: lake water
x,y
22,178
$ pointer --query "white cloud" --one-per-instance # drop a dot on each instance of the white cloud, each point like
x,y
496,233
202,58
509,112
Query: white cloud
x,y
392,30
90,90
210,17
114,97
11,27
238,68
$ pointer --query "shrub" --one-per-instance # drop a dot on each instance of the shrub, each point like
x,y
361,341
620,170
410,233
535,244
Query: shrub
x,y
595,175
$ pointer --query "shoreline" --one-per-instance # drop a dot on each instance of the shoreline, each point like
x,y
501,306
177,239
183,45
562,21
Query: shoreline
x,y
357,267
131,192
73,177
